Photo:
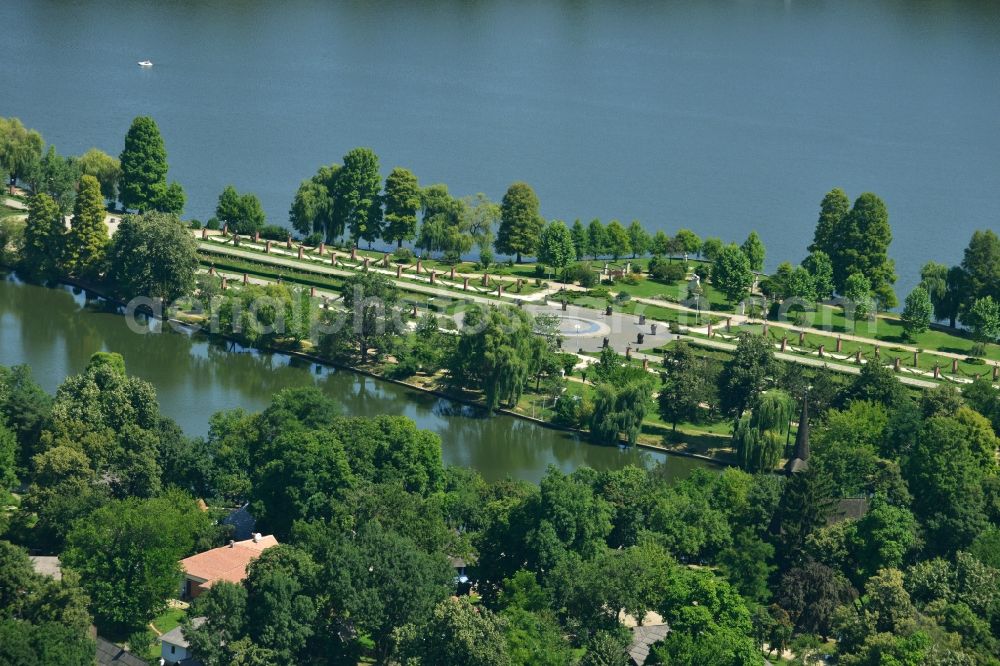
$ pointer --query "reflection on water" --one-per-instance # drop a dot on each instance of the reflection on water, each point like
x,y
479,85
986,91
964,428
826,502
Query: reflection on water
x,y
55,331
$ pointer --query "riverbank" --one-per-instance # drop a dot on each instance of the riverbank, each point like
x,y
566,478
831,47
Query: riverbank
x,y
372,372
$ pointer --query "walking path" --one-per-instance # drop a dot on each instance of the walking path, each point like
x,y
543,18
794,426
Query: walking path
x,y
738,320
420,283
621,332
15,204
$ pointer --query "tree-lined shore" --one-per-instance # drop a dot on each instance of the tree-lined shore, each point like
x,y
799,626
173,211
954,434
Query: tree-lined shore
x,y
366,513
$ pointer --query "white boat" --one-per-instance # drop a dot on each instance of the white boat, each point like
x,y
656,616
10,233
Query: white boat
x,y
145,63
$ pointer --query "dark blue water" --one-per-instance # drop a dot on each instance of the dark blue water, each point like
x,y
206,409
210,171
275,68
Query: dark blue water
x,y
719,116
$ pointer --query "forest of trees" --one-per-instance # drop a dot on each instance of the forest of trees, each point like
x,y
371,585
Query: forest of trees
x,y
731,560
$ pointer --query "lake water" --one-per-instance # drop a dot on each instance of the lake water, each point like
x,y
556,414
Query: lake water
x,y
55,331
722,116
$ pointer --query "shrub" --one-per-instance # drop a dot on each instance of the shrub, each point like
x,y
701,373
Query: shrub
x,y
273,232
568,362
212,224
406,367
666,271
623,297
195,224
539,271
599,292
588,279
485,257
581,273
632,279
403,255
569,411
313,239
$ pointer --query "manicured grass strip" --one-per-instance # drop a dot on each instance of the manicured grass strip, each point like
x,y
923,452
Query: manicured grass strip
x,y
265,270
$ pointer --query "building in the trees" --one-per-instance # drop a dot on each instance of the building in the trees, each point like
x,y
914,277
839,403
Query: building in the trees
x,y
800,459
109,654
227,563
174,647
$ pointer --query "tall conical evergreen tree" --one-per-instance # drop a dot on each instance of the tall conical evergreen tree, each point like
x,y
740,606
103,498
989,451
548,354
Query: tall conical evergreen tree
x,y
87,242
143,183
832,210
44,235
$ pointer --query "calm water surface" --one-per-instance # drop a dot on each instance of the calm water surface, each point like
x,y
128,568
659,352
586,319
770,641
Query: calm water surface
x,y
55,331
718,115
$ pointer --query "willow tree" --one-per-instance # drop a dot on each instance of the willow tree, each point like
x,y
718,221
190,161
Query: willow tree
x,y
314,209
105,168
497,353
620,409
759,437
20,149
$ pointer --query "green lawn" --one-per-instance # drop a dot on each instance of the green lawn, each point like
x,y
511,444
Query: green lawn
x,y
443,281
888,328
168,620
165,622
887,352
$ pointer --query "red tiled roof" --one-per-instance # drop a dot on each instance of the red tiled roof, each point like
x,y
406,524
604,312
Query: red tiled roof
x,y
226,563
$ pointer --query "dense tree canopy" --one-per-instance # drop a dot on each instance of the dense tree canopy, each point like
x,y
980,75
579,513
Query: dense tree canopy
x,y
127,554
732,273
556,247
87,240
153,255
143,181
520,223
44,236
314,209
753,248
243,214
402,201
105,168
357,193
20,149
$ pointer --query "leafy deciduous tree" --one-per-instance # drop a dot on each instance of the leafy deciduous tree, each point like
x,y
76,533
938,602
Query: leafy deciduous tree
x,y
402,200
520,224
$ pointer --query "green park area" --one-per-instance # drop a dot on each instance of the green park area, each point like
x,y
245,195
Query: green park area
x,y
852,509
